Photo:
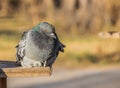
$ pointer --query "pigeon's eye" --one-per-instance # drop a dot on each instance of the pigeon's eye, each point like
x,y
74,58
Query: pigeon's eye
x,y
46,30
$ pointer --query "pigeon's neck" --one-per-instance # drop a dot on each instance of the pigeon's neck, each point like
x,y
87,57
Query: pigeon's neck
x,y
36,29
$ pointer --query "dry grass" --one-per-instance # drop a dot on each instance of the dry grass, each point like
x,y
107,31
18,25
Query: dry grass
x,y
81,51
90,51
7,47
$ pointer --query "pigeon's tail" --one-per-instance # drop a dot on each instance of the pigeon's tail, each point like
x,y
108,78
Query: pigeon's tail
x,y
62,46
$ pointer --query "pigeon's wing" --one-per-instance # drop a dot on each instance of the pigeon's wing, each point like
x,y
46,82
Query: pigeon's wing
x,y
58,47
21,48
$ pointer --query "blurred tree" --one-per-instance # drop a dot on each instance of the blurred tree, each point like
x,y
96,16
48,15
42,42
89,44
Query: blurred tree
x,y
72,15
4,7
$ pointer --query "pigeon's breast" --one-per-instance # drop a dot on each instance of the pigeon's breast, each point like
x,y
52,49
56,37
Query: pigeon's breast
x,y
38,46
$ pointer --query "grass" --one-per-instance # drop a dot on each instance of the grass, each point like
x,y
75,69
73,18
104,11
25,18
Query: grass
x,y
80,51
87,51
7,47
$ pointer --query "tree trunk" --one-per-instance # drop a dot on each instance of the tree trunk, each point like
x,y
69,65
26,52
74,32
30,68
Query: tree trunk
x,y
4,8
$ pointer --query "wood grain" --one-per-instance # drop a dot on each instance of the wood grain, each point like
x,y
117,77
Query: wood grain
x,y
10,69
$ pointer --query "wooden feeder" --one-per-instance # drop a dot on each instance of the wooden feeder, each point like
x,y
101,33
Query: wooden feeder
x,y
10,69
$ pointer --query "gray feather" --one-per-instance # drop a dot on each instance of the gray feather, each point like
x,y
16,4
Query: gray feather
x,y
21,48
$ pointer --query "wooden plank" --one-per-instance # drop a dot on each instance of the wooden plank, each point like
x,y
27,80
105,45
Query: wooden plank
x,y
3,82
10,69
25,72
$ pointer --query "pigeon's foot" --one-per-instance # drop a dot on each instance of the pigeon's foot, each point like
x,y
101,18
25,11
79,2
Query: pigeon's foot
x,y
45,63
24,65
32,64
36,64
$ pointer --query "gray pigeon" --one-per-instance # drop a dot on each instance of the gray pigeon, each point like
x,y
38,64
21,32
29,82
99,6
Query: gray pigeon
x,y
39,46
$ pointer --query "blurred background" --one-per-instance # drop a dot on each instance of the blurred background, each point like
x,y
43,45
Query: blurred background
x,y
77,24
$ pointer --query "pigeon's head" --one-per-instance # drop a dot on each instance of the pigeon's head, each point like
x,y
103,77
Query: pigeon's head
x,y
45,28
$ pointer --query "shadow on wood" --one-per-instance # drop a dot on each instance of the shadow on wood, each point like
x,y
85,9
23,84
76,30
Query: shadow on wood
x,y
11,69
3,83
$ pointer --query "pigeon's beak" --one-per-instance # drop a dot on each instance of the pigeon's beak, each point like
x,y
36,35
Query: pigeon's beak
x,y
53,35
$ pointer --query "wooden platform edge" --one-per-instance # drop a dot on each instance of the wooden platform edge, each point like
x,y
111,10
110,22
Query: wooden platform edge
x,y
25,72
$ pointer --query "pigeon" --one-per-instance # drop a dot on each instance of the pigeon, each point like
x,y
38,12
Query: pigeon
x,y
39,47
